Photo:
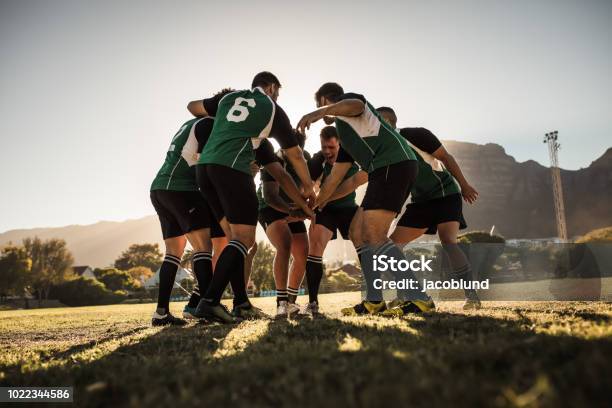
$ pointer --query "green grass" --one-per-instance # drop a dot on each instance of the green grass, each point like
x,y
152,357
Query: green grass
x,y
508,354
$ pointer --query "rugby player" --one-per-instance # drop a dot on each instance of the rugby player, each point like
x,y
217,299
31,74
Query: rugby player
x,y
243,120
436,203
184,215
336,215
285,228
392,169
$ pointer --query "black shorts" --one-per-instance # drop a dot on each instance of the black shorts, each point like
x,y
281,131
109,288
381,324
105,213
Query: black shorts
x,y
336,219
268,215
215,228
230,193
180,212
389,186
429,214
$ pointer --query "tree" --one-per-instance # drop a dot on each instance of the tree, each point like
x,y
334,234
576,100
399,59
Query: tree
x,y
262,274
186,259
147,255
140,273
83,292
598,235
15,271
114,279
51,264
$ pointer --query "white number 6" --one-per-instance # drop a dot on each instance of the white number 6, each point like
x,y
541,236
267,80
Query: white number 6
x,y
239,112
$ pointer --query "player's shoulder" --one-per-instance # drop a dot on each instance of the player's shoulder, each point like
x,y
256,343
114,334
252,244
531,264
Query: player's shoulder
x,y
352,95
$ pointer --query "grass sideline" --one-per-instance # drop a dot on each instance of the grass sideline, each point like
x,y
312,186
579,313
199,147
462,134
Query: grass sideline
x,y
507,354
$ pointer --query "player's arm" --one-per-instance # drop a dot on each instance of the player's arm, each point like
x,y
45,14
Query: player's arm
x,y
271,195
295,155
468,192
332,182
428,142
285,136
351,105
286,182
349,185
205,107
315,166
264,156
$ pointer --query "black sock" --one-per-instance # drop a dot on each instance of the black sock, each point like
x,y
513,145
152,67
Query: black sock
x,y
464,274
237,279
359,250
461,268
230,263
167,274
314,274
281,296
292,294
202,269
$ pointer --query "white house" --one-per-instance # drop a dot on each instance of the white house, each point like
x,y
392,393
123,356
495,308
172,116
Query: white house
x,y
84,271
181,275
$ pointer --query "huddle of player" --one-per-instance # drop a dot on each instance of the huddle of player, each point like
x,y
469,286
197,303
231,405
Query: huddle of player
x,y
205,194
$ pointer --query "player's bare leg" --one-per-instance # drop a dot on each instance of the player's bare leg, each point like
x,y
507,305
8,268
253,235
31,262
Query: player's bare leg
x,y
202,268
280,237
318,239
299,253
405,235
248,263
174,248
460,265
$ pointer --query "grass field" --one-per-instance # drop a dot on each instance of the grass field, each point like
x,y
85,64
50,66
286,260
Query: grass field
x,y
508,354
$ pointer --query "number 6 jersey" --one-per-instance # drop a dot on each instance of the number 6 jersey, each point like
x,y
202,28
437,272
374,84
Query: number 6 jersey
x,y
242,120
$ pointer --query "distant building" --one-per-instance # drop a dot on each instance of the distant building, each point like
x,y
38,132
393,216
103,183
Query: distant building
x,y
348,267
84,271
181,275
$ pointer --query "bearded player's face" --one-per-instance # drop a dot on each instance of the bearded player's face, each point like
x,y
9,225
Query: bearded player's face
x,y
330,148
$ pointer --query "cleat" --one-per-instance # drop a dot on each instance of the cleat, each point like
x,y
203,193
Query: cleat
x,y
292,309
248,312
189,313
281,310
410,307
365,308
215,313
166,320
472,304
395,302
312,309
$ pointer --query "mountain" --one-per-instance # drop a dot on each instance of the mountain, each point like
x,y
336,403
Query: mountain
x,y
515,197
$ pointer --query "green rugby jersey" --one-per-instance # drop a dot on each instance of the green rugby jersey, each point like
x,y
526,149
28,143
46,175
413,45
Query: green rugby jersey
x,y
178,171
434,180
369,140
266,177
318,167
242,120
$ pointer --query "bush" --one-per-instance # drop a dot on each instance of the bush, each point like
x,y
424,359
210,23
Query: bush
x,y
85,292
482,257
114,279
598,235
480,237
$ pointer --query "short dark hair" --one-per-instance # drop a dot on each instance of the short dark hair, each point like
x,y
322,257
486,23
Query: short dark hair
x,y
329,90
224,92
386,109
265,78
329,132
301,138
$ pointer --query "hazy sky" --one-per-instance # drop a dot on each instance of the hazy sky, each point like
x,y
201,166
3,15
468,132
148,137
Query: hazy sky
x,y
92,92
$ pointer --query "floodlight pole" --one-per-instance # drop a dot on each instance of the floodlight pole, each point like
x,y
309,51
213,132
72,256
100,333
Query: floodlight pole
x,y
551,139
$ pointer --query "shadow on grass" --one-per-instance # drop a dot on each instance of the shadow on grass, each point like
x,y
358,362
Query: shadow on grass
x,y
435,360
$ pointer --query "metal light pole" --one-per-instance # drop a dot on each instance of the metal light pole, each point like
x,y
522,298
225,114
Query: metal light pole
x,y
553,147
